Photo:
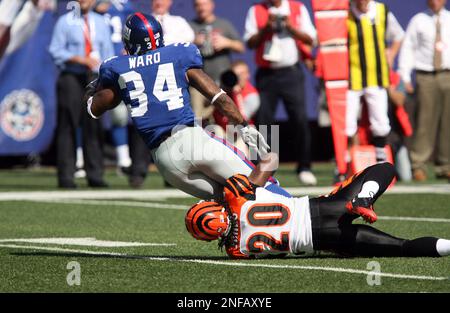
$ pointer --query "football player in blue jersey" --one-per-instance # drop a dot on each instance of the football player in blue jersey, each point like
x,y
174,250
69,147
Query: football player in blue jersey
x,y
153,81
116,13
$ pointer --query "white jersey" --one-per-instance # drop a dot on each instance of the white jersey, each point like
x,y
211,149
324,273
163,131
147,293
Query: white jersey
x,y
274,224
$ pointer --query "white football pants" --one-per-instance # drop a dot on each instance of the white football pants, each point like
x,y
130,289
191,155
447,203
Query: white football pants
x,y
198,163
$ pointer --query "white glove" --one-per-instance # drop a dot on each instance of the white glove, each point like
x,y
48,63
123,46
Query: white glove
x,y
251,137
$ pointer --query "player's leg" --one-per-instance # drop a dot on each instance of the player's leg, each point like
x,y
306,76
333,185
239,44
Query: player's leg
x,y
370,182
363,240
140,156
333,231
174,160
199,163
119,134
377,103
331,213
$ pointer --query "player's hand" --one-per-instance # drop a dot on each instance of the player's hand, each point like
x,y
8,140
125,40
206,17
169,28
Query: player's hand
x,y
91,88
251,136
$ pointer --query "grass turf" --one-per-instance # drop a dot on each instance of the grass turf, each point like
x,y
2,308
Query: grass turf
x,y
172,268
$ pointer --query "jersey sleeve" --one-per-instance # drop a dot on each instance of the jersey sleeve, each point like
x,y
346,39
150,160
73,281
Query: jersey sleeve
x,y
191,58
107,77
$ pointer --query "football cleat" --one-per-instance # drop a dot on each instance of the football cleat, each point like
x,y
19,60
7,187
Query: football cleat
x,y
362,207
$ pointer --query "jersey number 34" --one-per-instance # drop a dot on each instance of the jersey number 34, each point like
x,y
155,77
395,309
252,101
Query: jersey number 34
x,y
172,95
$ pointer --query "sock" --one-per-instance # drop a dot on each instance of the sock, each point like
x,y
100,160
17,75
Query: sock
x,y
443,247
421,247
369,189
119,135
123,156
80,159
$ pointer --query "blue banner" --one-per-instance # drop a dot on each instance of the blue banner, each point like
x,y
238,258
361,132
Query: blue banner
x,y
27,94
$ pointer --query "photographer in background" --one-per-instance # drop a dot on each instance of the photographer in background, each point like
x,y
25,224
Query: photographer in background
x,y
216,39
278,30
236,83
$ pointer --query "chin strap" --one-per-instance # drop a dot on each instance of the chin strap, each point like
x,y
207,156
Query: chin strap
x,y
226,237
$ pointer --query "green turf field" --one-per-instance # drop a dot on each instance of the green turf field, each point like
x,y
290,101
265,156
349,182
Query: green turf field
x,y
175,262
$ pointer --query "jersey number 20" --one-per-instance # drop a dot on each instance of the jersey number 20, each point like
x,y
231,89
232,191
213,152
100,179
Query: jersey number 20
x,y
268,215
165,76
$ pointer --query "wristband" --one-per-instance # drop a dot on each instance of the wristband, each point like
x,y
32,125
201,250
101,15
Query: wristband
x,y
89,104
221,92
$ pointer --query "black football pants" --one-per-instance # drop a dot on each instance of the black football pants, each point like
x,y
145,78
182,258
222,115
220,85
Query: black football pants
x,y
72,114
333,229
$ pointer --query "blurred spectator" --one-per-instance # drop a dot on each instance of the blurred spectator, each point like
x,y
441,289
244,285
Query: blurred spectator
x,y
236,82
401,127
370,26
216,38
277,29
124,135
175,28
427,50
79,43
18,21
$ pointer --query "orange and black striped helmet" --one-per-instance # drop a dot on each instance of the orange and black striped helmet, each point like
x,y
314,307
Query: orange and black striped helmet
x,y
207,220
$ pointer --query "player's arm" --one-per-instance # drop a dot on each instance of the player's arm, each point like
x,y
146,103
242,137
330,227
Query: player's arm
x,y
265,168
99,100
203,83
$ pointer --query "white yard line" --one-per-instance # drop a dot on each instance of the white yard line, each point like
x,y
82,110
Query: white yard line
x,y
415,219
85,241
158,194
229,263
152,205
161,205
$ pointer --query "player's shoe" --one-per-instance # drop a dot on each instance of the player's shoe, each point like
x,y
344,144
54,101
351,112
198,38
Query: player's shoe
x,y
362,207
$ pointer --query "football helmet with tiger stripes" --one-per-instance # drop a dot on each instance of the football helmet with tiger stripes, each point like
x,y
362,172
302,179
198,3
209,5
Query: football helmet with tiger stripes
x,y
207,220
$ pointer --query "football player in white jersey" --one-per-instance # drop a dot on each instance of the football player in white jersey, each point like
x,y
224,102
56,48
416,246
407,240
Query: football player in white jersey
x,y
254,222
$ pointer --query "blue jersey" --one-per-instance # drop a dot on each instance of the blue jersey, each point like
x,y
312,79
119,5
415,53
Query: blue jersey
x,y
155,87
118,12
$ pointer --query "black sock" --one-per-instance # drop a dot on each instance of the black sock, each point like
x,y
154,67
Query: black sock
x,y
425,246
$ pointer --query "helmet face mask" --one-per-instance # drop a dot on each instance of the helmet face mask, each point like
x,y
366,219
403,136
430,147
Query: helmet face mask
x,y
142,33
207,221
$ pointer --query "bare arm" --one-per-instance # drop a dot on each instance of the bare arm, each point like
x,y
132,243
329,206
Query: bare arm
x,y
254,41
392,52
103,99
298,34
265,168
203,83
